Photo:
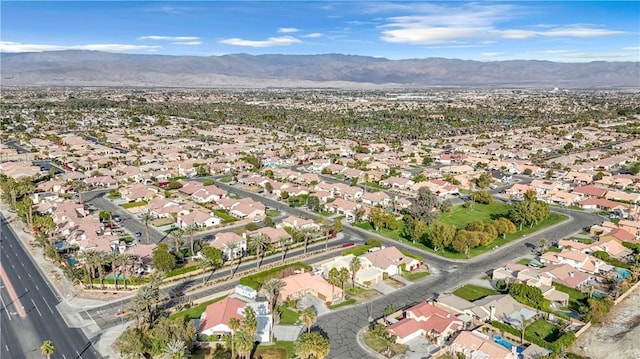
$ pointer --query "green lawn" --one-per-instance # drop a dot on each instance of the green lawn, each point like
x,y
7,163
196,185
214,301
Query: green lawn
x,y
134,204
278,350
553,218
273,213
226,179
357,251
224,216
414,276
544,330
472,292
460,216
524,261
195,312
255,280
375,186
288,316
342,304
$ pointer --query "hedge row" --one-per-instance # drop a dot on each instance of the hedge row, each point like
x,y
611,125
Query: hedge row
x,y
558,346
255,280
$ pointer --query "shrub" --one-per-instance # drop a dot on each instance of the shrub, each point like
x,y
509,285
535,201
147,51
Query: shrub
x,y
373,242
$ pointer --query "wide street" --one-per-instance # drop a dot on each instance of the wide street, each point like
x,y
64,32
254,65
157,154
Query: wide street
x,y
23,336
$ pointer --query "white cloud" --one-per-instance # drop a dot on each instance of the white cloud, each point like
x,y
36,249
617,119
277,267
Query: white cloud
x,y
287,30
169,38
272,41
493,54
9,46
313,35
632,48
437,24
575,54
579,32
175,40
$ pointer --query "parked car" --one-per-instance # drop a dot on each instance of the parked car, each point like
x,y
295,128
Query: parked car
x,y
138,234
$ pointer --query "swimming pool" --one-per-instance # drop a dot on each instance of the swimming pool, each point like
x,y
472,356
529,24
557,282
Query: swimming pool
x,y
622,274
507,344
72,261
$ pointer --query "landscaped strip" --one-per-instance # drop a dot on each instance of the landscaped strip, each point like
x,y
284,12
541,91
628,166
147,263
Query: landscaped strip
x,y
472,292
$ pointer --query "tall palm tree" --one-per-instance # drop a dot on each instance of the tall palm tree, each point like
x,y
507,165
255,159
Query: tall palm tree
x,y
93,261
309,317
146,218
543,243
306,240
271,290
259,242
354,266
176,349
113,258
231,248
524,323
234,325
312,346
284,245
47,348
176,238
129,260
244,343
190,230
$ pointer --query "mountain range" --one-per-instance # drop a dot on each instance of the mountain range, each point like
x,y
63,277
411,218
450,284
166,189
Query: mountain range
x,y
93,68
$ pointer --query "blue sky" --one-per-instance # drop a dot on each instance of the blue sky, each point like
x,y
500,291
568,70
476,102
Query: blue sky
x,y
573,31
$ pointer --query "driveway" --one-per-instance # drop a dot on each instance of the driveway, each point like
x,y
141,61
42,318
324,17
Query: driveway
x,y
383,288
311,301
287,333
418,348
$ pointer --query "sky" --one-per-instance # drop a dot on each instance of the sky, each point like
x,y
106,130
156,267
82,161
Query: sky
x,y
571,31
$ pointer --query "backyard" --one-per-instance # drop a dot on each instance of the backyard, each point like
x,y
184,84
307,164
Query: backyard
x,y
256,280
460,216
196,311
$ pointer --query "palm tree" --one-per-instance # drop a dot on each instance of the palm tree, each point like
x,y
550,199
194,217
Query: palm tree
x,y
101,259
231,248
244,343
524,323
234,325
80,186
47,348
259,242
146,218
113,259
354,267
306,240
271,290
284,245
128,261
176,237
176,349
309,317
88,256
312,346
543,243
190,230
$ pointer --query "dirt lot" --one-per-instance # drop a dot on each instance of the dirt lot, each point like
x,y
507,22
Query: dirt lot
x,y
617,337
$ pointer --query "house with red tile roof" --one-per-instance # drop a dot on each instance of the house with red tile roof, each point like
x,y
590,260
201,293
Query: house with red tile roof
x,y
300,223
618,234
425,319
590,191
198,218
216,318
275,236
477,345
600,203
578,260
224,240
208,194
379,198
298,285
390,260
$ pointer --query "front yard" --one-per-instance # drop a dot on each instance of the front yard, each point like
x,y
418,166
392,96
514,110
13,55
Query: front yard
x,y
196,311
472,292
415,275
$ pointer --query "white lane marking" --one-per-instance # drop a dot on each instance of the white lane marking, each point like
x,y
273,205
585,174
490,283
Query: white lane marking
x,y
10,245
37,288
19,277
79,356
6,311
29,274
45,302
12,266
35,306
64,356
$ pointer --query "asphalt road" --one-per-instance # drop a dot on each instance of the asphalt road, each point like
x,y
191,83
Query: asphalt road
x,y
128,220
105,316
22,337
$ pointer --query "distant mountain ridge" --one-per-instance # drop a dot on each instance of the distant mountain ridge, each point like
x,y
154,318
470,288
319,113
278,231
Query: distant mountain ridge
x,y
93,68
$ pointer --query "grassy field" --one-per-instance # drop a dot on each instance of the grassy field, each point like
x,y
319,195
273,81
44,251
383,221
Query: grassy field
x,y
553,218
524,261
460,216
472,292
414,276
195,312
342,304
357,251
278,350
